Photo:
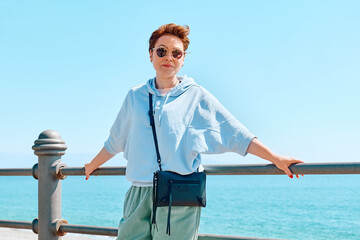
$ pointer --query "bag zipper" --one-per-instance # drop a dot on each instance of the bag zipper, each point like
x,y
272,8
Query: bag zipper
x,y
183,181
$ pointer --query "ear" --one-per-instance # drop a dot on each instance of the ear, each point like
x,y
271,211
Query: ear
x,y
151,55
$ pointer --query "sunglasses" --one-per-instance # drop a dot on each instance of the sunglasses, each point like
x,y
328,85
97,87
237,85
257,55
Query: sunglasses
x,y
163,51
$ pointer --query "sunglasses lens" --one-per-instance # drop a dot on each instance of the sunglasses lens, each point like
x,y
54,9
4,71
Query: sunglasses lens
x,y
177,54
161,52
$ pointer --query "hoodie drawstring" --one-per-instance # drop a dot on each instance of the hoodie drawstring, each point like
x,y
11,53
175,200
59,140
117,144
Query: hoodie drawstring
x,y
184,84
162,107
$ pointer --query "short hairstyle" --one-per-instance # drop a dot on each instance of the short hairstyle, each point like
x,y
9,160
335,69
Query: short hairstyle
x,y
179,31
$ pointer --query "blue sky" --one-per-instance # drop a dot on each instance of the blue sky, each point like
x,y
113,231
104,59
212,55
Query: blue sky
x,y
288,70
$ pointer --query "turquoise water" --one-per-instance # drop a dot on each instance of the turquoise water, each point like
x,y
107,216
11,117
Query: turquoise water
x,y
312,207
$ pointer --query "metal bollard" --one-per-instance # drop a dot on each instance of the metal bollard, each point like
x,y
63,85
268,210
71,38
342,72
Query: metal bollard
x,y
49,148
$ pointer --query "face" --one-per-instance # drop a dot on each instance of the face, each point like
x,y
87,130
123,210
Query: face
x,y
167,66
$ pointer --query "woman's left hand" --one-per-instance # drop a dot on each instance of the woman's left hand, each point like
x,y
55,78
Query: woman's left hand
x,y
283,163
257,148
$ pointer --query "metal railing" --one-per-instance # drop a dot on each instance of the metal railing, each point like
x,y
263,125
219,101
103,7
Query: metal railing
x,y
49,171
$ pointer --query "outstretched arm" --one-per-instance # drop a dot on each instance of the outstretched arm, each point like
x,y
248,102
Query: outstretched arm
x,y
282,162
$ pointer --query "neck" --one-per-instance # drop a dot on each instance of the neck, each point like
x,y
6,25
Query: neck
x,y
169,82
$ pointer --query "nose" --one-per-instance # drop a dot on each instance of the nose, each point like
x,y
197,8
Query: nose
x,y
169,56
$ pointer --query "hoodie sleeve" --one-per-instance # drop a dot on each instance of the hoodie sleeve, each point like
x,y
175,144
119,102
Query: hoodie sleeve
x,y
213,129
120,129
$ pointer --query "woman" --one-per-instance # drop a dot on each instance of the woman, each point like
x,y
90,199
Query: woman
x,y
189,121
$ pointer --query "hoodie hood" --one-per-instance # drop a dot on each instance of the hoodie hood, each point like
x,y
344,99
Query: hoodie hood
x,y
185,84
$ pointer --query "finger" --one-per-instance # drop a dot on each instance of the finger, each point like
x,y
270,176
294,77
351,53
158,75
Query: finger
x,y
288,172
297,161
86,175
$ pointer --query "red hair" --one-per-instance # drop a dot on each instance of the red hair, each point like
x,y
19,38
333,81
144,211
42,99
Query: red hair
x,y
179,31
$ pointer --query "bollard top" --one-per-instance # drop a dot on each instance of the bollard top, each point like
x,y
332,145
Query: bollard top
x,y
49,142
49,134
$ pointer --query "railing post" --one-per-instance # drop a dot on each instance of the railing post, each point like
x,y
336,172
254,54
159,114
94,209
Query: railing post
x,y
49,148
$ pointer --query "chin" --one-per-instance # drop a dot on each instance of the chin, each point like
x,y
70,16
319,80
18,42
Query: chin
x,y
167,74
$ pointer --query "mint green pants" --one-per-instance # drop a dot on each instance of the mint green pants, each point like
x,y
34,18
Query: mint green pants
x,y
136,222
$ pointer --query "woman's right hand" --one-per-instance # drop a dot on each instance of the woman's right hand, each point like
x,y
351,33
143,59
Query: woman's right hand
x,y
102,157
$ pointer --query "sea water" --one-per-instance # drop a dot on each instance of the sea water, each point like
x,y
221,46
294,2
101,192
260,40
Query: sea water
x,y
312,207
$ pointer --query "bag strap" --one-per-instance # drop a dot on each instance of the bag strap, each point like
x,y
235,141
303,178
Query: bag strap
x,y
152,123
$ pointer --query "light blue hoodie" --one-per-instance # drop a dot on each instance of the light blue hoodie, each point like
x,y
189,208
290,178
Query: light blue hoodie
x,y
189,121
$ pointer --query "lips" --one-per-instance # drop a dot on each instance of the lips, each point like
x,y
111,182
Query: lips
x,y
167,65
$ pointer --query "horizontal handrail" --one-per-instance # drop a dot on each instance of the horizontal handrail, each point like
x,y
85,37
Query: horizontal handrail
x,y
271,169
16,224
244,169
105,231
34,171
227,237
16,172
92,230
77,171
